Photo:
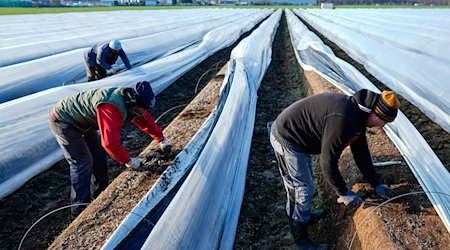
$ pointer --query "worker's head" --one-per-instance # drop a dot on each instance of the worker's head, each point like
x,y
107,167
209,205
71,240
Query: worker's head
x,y
115,45
145,99
387,106
379,109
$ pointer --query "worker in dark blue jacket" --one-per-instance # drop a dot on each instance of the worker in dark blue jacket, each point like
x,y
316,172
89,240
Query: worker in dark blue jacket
x,y
100,57
325,124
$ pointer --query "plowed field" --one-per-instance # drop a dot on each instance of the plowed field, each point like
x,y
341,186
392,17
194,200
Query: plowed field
x,y
408,223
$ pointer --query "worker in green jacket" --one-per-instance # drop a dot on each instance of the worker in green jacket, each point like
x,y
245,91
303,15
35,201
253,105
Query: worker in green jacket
x,y
88,124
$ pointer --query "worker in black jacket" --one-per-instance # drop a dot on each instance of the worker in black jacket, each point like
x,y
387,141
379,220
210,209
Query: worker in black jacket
x,y
325,124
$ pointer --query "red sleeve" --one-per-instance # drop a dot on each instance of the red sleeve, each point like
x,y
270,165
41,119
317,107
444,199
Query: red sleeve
x,y
109,118
147,124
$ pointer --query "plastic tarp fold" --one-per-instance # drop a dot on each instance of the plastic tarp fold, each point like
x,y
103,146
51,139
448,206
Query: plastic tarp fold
x,y
205,211
147,211
45,35
174,173
405,49
36,75
312,54
26,144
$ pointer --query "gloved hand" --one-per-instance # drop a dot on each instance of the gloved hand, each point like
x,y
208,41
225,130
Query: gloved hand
x,y
134,163
112,71
349,198
165,146
383,191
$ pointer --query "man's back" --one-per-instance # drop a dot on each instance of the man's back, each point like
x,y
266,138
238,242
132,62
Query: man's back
x,y
306,122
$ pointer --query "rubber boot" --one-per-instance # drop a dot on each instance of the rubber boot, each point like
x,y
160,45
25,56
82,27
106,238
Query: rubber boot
x,y
301,238
316,215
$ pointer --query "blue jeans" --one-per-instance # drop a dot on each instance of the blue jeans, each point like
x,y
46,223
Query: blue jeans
x,y
87,159
297,171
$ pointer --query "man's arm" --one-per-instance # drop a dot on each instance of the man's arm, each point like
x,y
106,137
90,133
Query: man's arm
x,y
363,159
109,118
124,58
337,132
147,124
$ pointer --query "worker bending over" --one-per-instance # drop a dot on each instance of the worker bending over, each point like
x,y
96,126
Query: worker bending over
x,y
76,122
325,124
100,57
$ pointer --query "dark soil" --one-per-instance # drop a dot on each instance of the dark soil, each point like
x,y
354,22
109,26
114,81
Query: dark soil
x,y
263,222
407,223
51,189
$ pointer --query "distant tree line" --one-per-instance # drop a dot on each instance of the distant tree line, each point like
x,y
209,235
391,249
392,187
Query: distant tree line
x,y
387,2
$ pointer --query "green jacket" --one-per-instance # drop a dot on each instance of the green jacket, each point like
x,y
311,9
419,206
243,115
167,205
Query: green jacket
x,y
80,110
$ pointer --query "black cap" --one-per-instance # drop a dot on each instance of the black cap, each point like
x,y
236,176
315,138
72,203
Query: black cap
x,y
144,94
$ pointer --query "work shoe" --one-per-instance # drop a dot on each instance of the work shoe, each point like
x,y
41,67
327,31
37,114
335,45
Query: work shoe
x,y
299,231
316,215
310,245
76,210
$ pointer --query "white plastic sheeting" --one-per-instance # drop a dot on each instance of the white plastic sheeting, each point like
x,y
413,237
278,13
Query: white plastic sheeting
x,y
45,35
205,211
406,49
172,176
26,144
30,77
312,54
163,188
34,29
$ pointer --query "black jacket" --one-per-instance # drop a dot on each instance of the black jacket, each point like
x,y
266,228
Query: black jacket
x,y
325,124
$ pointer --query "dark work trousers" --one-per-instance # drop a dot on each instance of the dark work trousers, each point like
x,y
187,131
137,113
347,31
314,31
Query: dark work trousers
x,y
87,160
95,73
93,70
297,172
